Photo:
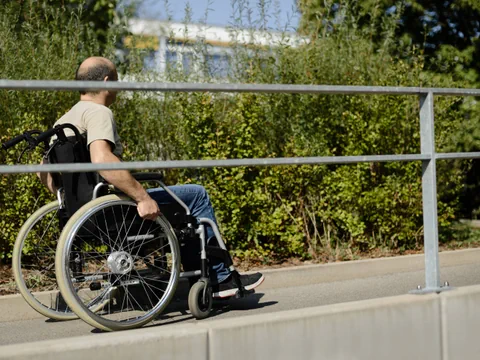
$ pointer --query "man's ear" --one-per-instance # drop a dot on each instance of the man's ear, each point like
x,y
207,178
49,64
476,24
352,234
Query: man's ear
x,y
105,79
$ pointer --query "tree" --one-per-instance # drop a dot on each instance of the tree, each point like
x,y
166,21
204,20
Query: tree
x,y
98,14
447,30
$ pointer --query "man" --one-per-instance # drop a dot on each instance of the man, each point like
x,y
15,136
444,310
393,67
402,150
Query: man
x,y
92,117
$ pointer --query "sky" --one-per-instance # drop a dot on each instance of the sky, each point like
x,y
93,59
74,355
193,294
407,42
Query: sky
x,y
220,12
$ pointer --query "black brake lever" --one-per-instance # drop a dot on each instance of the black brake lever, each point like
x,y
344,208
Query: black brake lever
x,y
32,142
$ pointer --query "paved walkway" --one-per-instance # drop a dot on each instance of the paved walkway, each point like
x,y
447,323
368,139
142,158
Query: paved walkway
x,y
283,289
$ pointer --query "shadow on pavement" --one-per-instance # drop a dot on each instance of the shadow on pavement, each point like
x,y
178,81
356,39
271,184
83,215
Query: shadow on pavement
x,y
177,311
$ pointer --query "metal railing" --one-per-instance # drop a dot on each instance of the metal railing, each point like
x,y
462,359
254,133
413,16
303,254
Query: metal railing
x,y
427,156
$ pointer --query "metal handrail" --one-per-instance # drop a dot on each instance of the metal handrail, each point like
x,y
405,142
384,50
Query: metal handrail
x,y
233,88
428,155
195,164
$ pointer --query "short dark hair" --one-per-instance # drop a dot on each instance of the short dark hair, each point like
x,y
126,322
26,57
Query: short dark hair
x,y
95,72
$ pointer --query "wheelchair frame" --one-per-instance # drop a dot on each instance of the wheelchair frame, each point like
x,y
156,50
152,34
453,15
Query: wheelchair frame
x,y
200,297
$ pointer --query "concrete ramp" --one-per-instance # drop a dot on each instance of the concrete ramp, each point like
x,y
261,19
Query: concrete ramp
x,y
434,326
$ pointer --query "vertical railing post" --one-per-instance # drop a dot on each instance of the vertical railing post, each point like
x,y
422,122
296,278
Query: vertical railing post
x,y
429,194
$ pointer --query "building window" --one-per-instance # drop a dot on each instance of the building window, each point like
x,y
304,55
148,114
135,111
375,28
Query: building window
x,y
187,63
150,61
218,65
171,59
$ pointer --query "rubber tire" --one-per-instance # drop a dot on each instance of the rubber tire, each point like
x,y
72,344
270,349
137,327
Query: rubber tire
x,y
17,266
63,282
194,297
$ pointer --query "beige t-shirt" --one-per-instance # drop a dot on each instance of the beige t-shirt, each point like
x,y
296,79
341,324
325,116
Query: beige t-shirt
x,y
96,121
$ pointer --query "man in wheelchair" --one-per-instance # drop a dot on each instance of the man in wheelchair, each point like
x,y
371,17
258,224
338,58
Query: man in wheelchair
x,y
94,120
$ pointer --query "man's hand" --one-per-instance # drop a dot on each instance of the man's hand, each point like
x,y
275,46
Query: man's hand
x,y
148,209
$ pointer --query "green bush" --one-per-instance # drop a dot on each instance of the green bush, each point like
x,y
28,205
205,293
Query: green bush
x,y
322,212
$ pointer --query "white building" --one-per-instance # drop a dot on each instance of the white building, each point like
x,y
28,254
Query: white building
x,y
188,46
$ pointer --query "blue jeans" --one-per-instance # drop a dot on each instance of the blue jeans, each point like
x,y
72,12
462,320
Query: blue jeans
x,y
197,200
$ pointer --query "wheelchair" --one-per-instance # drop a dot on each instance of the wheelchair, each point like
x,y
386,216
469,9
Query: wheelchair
x,y
113,269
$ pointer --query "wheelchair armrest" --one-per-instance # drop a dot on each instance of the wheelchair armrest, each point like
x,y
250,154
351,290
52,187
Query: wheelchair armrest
x,y
140,177
147,176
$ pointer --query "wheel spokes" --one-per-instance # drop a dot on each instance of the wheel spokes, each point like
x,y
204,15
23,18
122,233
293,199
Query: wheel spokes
x,y
131,262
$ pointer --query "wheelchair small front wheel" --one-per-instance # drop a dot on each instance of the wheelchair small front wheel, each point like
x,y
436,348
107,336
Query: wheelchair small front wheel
x,y
200,300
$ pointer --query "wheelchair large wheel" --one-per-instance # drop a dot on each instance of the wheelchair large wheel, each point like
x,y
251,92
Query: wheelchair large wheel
x,y
109,257
33,263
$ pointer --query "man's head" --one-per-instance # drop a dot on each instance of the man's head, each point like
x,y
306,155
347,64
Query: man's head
x,y
97,69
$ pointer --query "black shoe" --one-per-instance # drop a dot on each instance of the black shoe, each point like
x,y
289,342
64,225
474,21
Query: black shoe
x,y
228,287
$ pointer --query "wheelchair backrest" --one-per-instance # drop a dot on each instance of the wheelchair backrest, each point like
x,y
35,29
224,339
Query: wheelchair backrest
x,y
78,187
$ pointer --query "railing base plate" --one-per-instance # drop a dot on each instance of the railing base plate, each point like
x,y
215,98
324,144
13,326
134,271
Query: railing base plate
x,y
424,291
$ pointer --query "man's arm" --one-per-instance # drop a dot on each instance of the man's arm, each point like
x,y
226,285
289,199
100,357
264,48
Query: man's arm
x,y
101,152
47,180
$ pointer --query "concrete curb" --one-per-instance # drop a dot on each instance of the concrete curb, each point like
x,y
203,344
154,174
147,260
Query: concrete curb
x,y
461,323
373,329
14,308
186,342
